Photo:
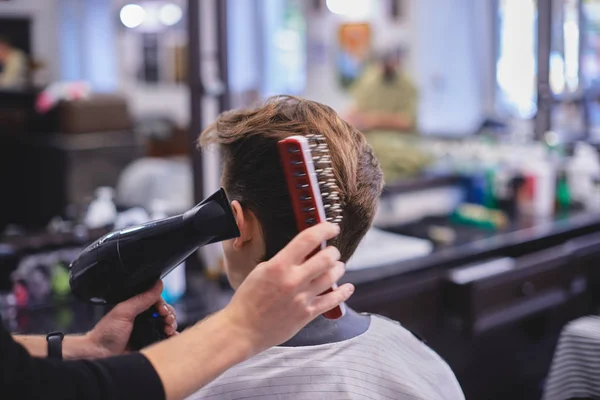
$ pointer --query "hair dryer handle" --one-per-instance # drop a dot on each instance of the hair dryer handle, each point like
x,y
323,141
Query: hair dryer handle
x,y
148,328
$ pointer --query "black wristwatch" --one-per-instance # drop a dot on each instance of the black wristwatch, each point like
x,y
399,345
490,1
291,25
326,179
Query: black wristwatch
x,y
54,340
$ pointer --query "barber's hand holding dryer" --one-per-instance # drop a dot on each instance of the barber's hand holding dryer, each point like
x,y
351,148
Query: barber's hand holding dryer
x,y
276,300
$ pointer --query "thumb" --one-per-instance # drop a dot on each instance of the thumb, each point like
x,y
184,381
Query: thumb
x,y
136,305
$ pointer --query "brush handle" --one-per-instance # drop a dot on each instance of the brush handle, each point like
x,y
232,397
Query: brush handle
x,y
338,311
148,328
305,195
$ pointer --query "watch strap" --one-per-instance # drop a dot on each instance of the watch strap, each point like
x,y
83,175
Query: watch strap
x,y
55,340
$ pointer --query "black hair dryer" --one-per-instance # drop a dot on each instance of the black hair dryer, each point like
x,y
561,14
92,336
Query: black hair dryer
x,y
128,262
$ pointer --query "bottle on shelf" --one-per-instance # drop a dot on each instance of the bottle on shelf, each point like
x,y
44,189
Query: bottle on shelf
x,y
563,192
540,183
582,171
102,211
175,282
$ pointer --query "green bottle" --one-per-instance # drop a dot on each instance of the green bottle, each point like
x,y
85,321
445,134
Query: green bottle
x,y
563,193
489,197
60,280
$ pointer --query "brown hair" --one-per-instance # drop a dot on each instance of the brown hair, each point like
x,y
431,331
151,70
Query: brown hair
x,y
252,172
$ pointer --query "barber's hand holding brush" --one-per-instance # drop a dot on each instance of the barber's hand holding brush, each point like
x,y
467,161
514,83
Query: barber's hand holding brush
x,y
275,301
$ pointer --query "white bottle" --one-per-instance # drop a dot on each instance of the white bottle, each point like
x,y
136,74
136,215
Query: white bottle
x,y
593,201
538,168
102,211
175,282
582,171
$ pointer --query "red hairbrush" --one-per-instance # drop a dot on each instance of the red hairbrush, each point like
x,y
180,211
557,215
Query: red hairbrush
x,y
312,187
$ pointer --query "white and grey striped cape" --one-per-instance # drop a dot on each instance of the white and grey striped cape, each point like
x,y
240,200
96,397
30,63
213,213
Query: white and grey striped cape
x,y
387,362
575,370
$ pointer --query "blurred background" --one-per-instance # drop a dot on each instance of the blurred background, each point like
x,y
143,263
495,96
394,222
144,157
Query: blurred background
x,y
485,115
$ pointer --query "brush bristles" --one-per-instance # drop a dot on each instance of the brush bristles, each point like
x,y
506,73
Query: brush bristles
x,y
330,192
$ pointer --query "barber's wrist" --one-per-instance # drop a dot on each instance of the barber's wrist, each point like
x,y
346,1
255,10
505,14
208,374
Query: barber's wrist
x,y
243,340
82,346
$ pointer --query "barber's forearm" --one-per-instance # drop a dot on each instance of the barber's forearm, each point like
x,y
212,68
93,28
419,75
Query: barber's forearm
x,y
74,346
199,355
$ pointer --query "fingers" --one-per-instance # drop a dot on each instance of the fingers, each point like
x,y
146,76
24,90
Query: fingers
x,y
305,243
170,325
327,279
169,316
171,310
145,300
163,308
170,320
320,263
140,303
170,330
332,299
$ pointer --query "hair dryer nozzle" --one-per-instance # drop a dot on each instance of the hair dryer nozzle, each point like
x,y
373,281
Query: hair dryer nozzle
x,y
214,217
128,262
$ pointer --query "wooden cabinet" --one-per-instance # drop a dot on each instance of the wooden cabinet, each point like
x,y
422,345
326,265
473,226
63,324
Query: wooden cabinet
x,y
585,252
495,322
514,290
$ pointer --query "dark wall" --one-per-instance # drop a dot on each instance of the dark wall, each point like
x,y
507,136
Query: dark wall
x,y
33,183
18,31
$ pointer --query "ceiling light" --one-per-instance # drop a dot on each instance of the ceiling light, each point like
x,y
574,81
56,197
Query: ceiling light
x,y
132,15
170,14
354,8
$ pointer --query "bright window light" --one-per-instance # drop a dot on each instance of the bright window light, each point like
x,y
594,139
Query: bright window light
x,y
516,65
571,32
132,15
557,72
170,14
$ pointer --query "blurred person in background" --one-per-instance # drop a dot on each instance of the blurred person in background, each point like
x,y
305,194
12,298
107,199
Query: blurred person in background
x,y
384,97
385,102
13,66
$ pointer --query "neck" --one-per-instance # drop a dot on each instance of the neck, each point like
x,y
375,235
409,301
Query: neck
x,y
390,75
323,330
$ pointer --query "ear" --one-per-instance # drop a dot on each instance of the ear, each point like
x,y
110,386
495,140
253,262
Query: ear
x,y
245,221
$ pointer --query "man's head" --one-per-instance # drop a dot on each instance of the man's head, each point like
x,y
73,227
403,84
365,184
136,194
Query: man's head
x,y
391,63
5,48
254,180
